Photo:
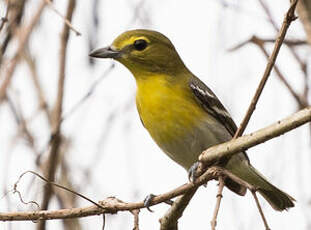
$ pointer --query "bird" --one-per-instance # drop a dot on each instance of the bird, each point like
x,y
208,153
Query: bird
x,y
183,116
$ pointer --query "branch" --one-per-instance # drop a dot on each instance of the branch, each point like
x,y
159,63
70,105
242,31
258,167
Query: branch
x,y
260,43
260,210
289,17
112,205
23,40
4,19
218,198
170,220
303,10
293,42
226,150
136,219
56,139
35,78
67,22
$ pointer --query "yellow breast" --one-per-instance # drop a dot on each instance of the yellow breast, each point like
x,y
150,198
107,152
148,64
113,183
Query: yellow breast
x,y
167,109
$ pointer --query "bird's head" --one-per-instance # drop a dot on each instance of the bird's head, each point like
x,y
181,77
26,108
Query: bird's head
x,y
143,52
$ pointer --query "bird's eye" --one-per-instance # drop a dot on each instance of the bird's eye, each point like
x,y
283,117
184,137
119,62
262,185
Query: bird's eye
x,y
140,44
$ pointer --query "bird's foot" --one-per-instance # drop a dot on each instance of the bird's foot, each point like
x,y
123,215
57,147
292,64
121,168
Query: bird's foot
x,y
148,201
192,172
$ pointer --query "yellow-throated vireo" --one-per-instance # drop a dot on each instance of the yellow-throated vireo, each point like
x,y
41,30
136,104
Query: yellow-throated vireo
x,y
182,115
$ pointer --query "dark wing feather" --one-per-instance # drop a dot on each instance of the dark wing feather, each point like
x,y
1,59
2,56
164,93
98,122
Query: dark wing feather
x,y
212,104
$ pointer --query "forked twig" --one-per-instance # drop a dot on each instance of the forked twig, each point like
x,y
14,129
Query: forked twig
x,y
26,32
260,43
289,17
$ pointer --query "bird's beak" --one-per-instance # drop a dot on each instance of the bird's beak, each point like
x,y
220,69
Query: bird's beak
x,y
106,52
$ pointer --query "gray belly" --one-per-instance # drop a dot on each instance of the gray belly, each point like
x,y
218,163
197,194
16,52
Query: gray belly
x,y
185,150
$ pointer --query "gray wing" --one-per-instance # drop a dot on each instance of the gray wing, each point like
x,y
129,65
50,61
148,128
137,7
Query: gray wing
x,y
211,104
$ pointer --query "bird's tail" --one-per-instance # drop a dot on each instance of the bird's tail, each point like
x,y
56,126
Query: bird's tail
x,y
278,199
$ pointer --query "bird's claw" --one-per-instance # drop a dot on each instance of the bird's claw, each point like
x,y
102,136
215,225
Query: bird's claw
x,y
148,201
192,172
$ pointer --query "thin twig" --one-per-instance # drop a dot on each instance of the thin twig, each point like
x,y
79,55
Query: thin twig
x,y
268,13
56,139
22,42
289,17
13,27
89,92
275,26
104,221
301,101
40,93
5,18
67,199
57,185
301,63
135,213
227,149
218,200
293,42
304,16
260,210
67,22
111,205
260,43
23,130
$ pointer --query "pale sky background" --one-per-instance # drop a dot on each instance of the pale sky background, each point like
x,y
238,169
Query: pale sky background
x,y
127,163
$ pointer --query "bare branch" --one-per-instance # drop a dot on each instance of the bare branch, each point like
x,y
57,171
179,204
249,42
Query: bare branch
x,y
215,153
113,205
170,220
260,210
293,42
136,218
218,198
109,205
40,93
305,18
89,92
5,18
303,10
289,17
260,43
269,14
67,22
23,40
56,139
